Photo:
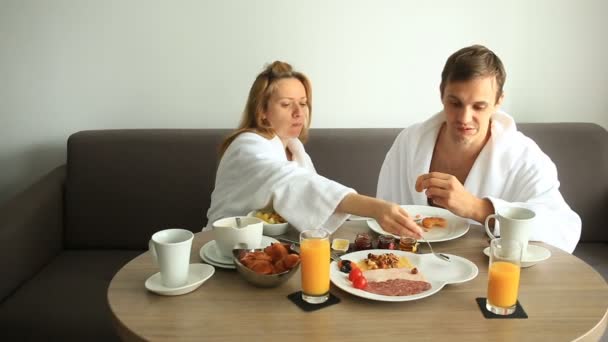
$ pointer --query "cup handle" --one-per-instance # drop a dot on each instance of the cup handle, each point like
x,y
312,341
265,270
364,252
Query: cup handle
x,y
152,251
492,216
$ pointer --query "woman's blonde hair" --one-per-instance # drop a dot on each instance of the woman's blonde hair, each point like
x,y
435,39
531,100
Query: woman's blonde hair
x,y
257,103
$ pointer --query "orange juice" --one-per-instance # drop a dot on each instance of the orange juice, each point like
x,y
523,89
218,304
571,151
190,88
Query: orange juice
x,y
503,284
314,254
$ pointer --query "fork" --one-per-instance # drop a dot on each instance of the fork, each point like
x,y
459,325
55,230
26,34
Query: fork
x,y
439,255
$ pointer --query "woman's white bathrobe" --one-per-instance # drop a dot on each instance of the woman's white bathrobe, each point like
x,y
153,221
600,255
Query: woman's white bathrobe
x,y
510,170
254,173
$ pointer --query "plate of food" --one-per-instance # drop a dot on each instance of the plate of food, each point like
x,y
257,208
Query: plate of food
x,y
438,224
398,276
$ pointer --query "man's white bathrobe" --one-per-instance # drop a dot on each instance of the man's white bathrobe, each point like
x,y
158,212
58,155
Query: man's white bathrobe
x,y
254,173
510,170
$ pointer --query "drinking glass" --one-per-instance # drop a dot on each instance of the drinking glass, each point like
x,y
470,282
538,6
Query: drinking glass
x,y
314,256
503,275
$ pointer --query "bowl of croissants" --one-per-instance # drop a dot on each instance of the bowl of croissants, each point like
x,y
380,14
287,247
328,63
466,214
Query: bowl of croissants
x,y
267,267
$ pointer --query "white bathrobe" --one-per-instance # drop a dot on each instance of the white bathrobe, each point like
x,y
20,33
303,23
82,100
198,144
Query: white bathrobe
x,y
254,173
510,170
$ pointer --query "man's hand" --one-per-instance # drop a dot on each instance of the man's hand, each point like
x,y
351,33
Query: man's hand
x,y
396,220
446,191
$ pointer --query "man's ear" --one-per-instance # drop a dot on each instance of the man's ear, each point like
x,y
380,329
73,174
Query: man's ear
x,y
500,99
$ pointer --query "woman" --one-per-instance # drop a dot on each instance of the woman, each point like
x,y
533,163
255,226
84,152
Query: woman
x,y
264,164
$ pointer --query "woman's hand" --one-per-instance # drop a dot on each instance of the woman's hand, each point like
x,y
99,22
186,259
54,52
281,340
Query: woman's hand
x,y
396,220
391,217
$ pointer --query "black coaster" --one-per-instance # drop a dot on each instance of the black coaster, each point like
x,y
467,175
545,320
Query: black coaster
x,y
518,313
296,298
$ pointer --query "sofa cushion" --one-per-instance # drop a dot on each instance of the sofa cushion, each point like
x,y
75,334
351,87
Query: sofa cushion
x,y
66,301
580,152
124,185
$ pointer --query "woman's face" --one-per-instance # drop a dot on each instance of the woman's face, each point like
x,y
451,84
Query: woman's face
x,y
287,111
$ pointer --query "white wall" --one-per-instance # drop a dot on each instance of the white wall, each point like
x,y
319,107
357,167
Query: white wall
x,y
69,65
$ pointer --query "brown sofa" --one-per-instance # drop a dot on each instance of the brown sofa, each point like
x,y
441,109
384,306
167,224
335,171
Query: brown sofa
x,y
65,236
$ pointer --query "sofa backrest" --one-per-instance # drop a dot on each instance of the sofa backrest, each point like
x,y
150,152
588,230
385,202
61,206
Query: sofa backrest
x,y
580,152
123,185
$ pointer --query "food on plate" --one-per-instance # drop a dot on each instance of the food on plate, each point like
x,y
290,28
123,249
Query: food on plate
x,y
430,222
396,281
386,260
272,260
269,217
392,276
346,266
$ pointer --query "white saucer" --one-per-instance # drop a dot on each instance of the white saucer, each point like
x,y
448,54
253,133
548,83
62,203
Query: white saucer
x,y
197,275
534,255
211,255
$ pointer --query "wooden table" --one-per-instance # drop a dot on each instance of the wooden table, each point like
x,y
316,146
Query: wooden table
x,y
564,298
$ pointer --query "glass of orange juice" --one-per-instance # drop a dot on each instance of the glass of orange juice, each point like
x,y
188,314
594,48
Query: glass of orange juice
x,y
314,256
503,276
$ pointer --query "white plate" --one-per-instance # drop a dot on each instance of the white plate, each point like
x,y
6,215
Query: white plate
x,y
457,226
437,272
534,255
207,255
197,275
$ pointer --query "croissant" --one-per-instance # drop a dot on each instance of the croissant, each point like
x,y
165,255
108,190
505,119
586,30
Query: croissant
x,y
277,251
274,259
262,267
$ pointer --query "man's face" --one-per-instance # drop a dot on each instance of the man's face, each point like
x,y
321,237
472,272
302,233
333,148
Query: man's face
x,y
468,107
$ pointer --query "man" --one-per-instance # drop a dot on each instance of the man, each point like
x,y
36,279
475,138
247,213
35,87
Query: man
x,y
471,160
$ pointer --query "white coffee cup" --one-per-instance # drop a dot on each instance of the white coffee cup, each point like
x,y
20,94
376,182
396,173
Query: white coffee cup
x,y
171,250
514,223
227,235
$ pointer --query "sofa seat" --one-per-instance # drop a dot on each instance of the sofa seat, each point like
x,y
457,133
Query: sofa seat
x,y
595,254
66,300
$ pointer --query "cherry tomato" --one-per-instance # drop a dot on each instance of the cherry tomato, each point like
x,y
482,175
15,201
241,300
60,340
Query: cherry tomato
x,y
354,274
360,283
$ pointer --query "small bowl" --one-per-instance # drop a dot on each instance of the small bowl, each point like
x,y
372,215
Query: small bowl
x,y
272,229
262,280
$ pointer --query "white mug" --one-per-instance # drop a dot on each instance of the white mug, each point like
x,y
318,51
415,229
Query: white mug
x,y
514,223
227,235
171,250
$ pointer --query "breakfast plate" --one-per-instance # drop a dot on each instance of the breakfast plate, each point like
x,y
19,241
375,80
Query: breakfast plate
x,y
197,275
534,255
437,272
212,256
457,226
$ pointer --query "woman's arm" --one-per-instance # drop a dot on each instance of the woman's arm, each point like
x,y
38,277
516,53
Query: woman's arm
x,y
390,216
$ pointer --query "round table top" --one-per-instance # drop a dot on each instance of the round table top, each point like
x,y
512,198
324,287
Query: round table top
x,y
565,299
